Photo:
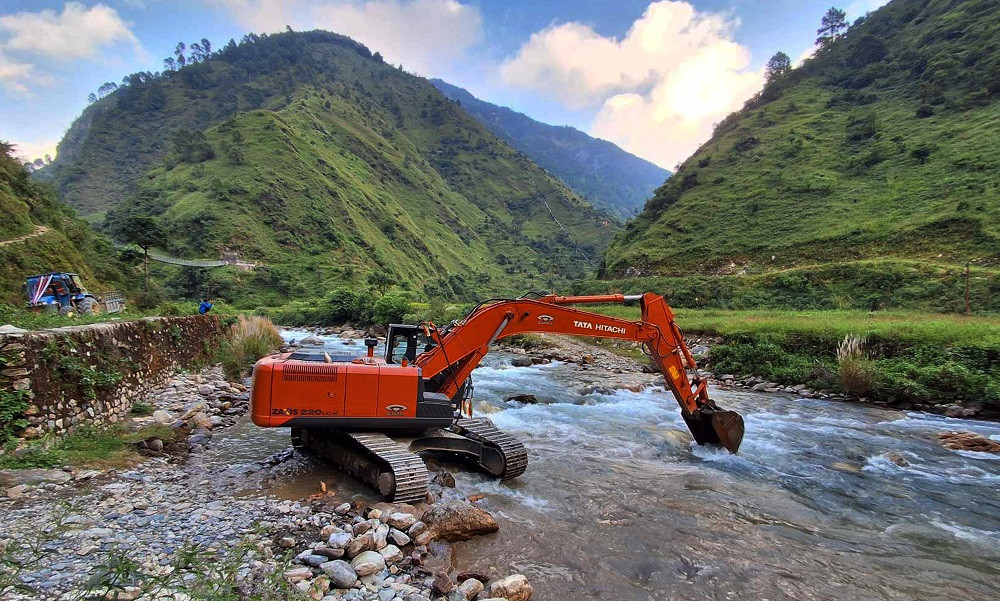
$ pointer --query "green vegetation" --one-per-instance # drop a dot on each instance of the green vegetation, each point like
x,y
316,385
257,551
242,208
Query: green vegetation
x,y
84,446
881,148
305,152
905,357
62,243
247,340
604,174
868,285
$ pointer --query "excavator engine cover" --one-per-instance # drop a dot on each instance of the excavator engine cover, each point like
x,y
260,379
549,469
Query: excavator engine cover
x,y
714,426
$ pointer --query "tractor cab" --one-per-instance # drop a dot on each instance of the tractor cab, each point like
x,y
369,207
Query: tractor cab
x,y
406,341
64,293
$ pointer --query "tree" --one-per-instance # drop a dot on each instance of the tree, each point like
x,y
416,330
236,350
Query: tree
x,y
106,88
381,281
169,64
778,66
832,27
91,98
179,53
145,232
206,46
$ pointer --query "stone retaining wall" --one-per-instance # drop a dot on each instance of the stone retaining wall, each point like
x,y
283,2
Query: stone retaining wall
x,y
94,373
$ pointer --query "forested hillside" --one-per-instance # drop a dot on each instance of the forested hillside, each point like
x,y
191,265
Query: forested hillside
x,y
305,152
39,234
882,147
601,172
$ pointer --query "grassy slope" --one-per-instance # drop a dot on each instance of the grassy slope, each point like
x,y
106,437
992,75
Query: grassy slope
x,y
69,245
597,169
348,164
782,183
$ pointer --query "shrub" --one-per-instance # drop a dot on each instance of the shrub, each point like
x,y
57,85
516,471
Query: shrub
x,y
248,340
854,366
391,308
13,404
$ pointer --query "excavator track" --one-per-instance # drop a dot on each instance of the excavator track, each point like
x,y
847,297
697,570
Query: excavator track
x,y
483,431
372,457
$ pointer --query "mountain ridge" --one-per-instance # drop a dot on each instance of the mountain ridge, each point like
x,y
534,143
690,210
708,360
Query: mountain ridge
x,y
600,171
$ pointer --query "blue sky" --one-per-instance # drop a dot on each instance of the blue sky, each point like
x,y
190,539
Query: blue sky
x,y
649,76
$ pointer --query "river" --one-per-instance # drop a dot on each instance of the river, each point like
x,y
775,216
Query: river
x,y
618,504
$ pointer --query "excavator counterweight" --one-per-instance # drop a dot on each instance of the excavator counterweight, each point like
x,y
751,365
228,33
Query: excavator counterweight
x,y
344,407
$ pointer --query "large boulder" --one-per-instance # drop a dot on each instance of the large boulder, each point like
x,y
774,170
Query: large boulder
x,y
513,588
457,521
11,478
311,341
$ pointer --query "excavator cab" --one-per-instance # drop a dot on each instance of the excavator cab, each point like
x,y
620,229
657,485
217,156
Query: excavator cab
x,y
406,341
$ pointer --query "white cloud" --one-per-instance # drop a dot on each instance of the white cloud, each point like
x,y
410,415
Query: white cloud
x,y
77,32
423,35
15,75
37,149
658,90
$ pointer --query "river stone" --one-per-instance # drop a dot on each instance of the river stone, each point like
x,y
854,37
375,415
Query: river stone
x,y
343,509
162,417
361,527
521,362
471,587
391,553
155,445
401,520
341,574
896,458
457,521
339,540
9,478
311,341
360,544
298,574
367,563
379,536
513,588
399,537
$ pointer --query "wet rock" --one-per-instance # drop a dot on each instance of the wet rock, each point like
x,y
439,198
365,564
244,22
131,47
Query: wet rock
x,y
513,588
341,574
896,458
521,362
471,587
968,441
527,399
367,563
311,341
444,479
846,467
457,521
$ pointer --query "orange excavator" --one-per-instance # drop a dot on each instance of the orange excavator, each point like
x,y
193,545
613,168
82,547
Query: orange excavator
x,y
344,407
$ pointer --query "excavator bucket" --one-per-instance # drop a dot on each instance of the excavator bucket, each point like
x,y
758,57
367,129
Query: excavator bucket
x,y
714,426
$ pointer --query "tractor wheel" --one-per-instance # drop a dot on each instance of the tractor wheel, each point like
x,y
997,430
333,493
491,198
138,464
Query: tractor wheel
x,y
87,306
66,310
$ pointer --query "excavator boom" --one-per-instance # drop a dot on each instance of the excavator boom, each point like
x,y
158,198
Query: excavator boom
x,y
461,347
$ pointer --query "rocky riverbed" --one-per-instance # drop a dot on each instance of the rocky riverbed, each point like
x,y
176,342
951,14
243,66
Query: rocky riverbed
x,y
181,523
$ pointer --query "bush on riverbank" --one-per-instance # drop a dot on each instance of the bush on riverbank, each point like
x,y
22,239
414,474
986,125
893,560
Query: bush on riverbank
x,y
248,340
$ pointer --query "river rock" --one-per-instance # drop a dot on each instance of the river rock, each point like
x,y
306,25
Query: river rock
x,y
339,540
298,574
341,574
367,563
521,362
311,341
201,420
527,399
968,441
155,445
360,544
471,587
10,478
896,458
343,509
391,553
401,520
513,588
457,521
162,417
380,536
399,537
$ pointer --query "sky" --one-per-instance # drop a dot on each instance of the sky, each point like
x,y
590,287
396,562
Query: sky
x,y
652,77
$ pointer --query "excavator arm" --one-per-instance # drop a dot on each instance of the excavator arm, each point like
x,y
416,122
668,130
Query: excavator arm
x,y
461,347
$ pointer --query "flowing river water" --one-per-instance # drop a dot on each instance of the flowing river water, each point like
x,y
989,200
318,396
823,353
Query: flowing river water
x,y
618,504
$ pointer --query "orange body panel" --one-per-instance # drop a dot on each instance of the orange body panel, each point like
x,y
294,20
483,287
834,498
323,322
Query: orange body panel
x,y
284,389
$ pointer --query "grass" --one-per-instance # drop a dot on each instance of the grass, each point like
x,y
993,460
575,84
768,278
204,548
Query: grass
x,y
87,446
248,340
912,357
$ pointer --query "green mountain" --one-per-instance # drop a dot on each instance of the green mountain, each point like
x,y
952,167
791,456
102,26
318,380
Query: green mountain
x,y
39,234
601,172
307,153
881,148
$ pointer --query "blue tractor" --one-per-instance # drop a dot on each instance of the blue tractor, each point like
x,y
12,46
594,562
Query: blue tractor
x,y
64,293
